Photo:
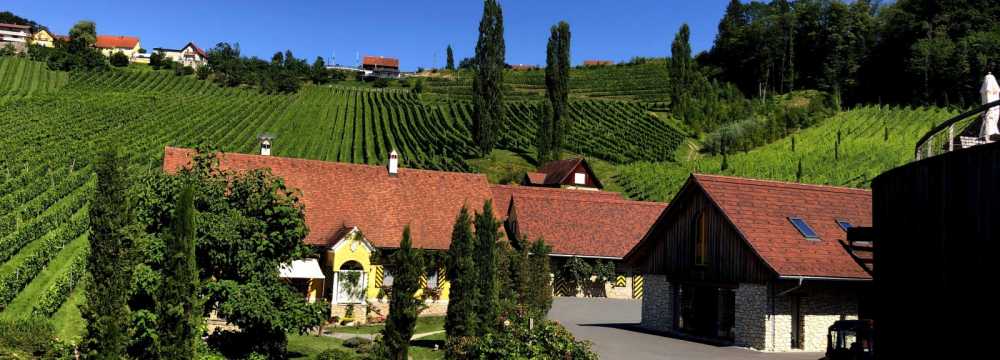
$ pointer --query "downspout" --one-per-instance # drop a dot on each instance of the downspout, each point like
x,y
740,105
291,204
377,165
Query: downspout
x,y
801,280
773,320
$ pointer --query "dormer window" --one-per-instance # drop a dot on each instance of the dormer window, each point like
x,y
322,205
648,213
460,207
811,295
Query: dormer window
x,y
580,178
803,228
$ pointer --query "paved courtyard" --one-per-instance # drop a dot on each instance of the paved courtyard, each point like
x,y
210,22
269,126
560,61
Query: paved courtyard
x,y
611,324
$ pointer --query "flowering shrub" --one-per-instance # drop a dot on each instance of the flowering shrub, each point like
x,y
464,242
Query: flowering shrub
x,y
517,340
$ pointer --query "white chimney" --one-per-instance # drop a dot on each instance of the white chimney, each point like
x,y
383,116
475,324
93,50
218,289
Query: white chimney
x,y
393,163
265,144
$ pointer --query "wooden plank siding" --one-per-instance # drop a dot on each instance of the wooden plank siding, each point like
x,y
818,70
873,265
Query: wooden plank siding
x,y
670,246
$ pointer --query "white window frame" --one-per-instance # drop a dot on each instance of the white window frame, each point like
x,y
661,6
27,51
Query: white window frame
x,y
362,282
580,178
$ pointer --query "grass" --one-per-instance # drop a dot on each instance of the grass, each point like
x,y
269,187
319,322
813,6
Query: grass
x,y
308,346
24,302
503,166
424,325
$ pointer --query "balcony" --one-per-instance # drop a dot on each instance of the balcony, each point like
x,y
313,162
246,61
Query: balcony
x,y
960,132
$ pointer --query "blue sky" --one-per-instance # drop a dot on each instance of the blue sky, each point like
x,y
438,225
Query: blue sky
x,y
416,31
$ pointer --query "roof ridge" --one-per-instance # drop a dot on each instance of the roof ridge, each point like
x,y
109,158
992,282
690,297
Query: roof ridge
x,y
595,199
788,184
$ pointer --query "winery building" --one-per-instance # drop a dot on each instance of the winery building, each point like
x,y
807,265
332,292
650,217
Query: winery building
x,y
352,210
753,263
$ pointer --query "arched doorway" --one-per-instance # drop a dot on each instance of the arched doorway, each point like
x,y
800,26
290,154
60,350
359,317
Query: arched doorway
x,y
349,283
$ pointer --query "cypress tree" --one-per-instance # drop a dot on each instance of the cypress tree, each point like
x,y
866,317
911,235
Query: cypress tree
x,y
539,288
404,306
487,86
178,308
557,64
487,302
451,59
793,143
680,72
109,262
798,172
543,137
461,318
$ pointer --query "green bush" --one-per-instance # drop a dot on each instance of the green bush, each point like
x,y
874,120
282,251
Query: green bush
x,y
30,337
355,342
548,340
335,354
381,83
119,59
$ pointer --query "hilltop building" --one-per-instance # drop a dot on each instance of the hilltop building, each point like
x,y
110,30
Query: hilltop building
x,y
43,38
589,63
380,67
354,209
754,263
111,44
15,35
190,55
524,67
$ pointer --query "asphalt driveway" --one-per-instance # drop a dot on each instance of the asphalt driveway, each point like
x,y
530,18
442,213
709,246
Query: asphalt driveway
x,y
612,325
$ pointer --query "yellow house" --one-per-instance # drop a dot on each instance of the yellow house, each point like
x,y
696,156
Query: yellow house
x,y
111,44
43,38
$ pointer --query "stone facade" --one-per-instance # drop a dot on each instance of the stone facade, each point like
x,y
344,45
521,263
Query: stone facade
x,y
763,318
657,304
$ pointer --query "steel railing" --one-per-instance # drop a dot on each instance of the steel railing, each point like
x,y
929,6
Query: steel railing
x,y
931,143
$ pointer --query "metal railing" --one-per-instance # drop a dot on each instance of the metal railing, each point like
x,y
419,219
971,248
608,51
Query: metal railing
x,y
942,138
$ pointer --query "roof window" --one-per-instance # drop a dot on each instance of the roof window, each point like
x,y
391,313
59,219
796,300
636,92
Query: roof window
x,y
803,228
844,224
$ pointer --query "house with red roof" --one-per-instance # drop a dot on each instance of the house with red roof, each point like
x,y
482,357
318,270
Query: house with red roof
x,y
380,66
190,55
569,173
111,44
352,210
754,263
15,36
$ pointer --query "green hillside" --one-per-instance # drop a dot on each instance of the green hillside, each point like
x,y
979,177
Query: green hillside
x,y
20,78
872,140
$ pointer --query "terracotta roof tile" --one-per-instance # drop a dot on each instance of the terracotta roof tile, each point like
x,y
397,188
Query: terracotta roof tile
x,y
578,222
760,210
116,42
339,195
380,61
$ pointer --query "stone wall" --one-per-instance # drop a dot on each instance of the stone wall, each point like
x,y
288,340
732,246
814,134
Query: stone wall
x,y
752,310
657,308
764,322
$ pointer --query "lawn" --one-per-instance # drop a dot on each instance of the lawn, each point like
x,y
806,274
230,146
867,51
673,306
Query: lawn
x,y
308,346
424,325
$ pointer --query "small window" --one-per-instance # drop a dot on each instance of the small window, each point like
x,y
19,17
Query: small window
x,y
803,228
844,224
580,178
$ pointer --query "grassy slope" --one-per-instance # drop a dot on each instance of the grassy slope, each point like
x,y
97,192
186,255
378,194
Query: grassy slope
x,y
863,154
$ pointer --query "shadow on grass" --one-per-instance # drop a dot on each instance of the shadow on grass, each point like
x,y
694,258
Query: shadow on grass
x,y
427,343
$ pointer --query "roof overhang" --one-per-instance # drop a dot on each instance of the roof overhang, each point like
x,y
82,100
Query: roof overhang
x,y
821,278
586,256
302,269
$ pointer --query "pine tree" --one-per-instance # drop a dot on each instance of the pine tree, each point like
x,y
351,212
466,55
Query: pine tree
x,y
557,64
404,306
487,87
451,59
110,260
462,273
487,302
178,307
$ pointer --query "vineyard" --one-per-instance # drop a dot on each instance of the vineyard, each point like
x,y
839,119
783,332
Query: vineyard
x,y
872,140
646,83
56,122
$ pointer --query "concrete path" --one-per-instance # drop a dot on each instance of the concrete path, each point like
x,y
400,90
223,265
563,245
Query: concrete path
x,y
611,324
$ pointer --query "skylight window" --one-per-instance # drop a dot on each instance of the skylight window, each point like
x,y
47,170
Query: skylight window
x,y
844,224
803,228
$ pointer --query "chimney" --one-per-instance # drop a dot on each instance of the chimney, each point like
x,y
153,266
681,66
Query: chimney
x,y
265,144
393,163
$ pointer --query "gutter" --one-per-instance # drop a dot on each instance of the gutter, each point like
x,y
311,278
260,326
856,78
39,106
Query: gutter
x,y
822,278
586,256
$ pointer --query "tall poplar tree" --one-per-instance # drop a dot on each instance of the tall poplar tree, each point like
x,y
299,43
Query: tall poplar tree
x,y
404,306
487,304
487,87
178,306
451,59
109,262
463,275
557,64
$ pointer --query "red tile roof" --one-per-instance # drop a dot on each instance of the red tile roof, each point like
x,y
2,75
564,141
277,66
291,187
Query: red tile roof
x,y
597,62
116,42
339,196
196,49
380,61
535,178
578,222
760,209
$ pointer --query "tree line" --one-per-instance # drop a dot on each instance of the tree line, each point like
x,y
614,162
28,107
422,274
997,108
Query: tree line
x,y
908,52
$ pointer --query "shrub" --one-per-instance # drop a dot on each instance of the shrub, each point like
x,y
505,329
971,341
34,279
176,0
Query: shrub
x,y
548,340
355,342
32,336
381,83
335,354
119,59
202,72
